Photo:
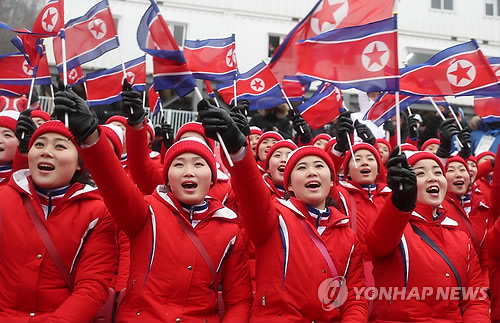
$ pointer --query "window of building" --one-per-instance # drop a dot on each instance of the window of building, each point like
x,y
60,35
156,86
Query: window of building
x,y
492,7
273,43
442,4
178,30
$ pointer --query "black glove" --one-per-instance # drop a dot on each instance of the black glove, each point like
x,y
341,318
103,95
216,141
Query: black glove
x,y
218,120
238,114
389,127
241,107
446,132
464,137
412,127
132,105
25,128
402,180
364,132
301,127
167,134
82,120
344,129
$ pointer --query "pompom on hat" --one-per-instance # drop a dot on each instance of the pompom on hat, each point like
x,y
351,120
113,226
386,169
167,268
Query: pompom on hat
x,y
296,155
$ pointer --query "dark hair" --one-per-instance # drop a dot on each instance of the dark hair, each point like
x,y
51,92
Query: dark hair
x,y
82,176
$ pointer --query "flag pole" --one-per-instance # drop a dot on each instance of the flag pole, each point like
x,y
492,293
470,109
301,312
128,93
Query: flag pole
x,y
398,120
226,153
349,140
290,106
31,89
443,118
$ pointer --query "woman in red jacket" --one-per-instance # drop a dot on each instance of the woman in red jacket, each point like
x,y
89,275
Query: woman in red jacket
x,y
78,223
266,141
275,164
493,245
8,144
425,268
302,246
182,242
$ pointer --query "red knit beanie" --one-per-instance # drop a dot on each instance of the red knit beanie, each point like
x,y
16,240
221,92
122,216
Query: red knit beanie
x,y
485,153
255,131
370,148
190,145
120,119
302,152
195,127
430,142
321,136
459,159
385,142
266,135
472,159
52,126
8,119
40,114
330,144
414,157
408,147
280,144
115,135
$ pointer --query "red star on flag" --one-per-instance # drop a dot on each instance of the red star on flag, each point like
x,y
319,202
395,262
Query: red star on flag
x,y
461,73
375,56
325,14
48,18
97,28
257,85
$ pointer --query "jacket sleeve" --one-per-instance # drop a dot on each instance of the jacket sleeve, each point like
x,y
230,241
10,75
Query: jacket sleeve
x,y
495,188
336,158
123,261
255,204
144,171
122,198
354,309
386,231
20,161
476,309
93,272
236,285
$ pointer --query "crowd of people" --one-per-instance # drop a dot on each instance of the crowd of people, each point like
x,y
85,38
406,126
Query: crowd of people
x,y
307,229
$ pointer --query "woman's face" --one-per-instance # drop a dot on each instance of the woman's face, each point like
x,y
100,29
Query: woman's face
x,y
384,152
320,143
367,170
8,146
432,148
311,180
431,183
264,147
38,121
277,163
253,142
189,178
53,161
458,178
472,170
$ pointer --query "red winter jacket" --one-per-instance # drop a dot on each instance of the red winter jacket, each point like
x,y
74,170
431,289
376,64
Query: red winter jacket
x,y
169,280
20,162
32,289
493,245
402,259
289,266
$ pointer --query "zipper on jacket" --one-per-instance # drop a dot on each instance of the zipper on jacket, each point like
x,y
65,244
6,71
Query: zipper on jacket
x,y
191,211
263,300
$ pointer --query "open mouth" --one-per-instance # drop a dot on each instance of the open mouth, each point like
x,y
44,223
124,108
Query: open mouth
x,y
1,150
459,183
433,190
189,185
313,185
46,167
281,168
365,171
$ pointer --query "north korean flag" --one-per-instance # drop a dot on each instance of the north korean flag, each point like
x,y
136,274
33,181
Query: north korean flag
x,y
324,106
32,47
15,69
43,72
258,85
458,70
326,15
439,100
384,107
14,90
487,108
50,20
75,76
87,37
154,101
495,65
136,73
212,59
104,87
294,89
170,70
363,57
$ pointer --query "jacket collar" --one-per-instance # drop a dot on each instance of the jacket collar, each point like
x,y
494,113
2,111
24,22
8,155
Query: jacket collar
x,y
423,213
272,187
300,209
350,185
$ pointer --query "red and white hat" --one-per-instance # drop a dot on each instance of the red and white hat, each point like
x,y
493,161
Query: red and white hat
x,y
414,157
385,142
266,135
118,118
255,131
190,145
302,152
8,119
428,142
484,154
458,159
52,126
330,143
360,146
408,147
40,114
280,144
324,136
115,135
196,127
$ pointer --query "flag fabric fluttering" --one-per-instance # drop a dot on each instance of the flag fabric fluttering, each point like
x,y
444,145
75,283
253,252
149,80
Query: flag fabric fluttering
x,y
439,100
104,87
14,90
323,107
294,89
43,75
212,59
459,70
154,100
323,17
384,107
75,76
15,69
170,70
487,108
87,37
50,20
363,57
210,90
32,47
495,65
136,73
258,85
